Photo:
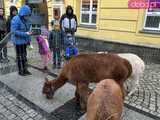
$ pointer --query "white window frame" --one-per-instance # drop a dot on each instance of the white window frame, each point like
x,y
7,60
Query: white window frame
x,y
90,12
13,2
59,5
151,14
58,2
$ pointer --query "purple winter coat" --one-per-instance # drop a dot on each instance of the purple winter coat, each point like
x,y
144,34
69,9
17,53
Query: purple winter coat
x,y
43,48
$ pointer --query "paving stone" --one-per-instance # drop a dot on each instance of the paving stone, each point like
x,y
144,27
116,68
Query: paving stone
x,y
17,118
38,117
25,117
11,116
2,117
33,114
30,119
2,110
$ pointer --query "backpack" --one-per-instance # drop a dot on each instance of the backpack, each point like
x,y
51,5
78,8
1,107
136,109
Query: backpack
x,y
70,52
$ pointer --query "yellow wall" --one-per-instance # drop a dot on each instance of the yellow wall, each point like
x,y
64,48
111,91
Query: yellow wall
x,y
115,22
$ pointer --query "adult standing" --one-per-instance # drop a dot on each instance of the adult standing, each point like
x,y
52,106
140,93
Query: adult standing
x,y
2,34
68,25
13,12
21,36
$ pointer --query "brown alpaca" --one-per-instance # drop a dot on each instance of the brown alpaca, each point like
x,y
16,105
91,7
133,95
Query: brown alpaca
x,y
105,102
86,68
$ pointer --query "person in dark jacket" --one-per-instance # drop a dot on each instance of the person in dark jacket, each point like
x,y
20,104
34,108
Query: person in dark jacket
x,y
68,21
13,12
68,25
56,43
21,37
3,54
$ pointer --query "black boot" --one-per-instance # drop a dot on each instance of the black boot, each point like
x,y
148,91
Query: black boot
x,y
59,66
20,66
25,66
26,72
21,73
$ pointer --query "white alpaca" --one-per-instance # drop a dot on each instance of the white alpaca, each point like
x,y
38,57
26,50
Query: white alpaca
x,y
138,67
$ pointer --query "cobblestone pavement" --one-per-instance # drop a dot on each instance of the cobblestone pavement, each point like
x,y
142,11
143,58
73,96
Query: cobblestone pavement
x,y
13,109
146,100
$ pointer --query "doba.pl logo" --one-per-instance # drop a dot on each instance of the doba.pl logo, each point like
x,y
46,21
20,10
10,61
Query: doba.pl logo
x,y
143,4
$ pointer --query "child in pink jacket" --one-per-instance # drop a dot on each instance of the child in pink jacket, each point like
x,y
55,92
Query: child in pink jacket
x,y
44,47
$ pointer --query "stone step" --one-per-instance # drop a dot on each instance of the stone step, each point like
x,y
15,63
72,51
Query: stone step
x,y
30,87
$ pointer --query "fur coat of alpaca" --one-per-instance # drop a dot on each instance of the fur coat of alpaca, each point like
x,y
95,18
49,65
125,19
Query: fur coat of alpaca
x,y
105,102
138,67
86,68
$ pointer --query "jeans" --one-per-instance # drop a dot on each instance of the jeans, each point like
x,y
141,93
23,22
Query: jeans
x,y
21,56
56,56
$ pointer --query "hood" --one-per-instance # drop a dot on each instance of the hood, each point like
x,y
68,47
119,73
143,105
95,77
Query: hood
x,y
24,10
69,7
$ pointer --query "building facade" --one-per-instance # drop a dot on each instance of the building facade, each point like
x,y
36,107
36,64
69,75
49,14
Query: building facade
x,y
42,11
100,19
114,21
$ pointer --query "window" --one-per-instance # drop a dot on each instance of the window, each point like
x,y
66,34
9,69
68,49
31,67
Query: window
x,y
56,13
152,18
34,1
58,1
88,12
